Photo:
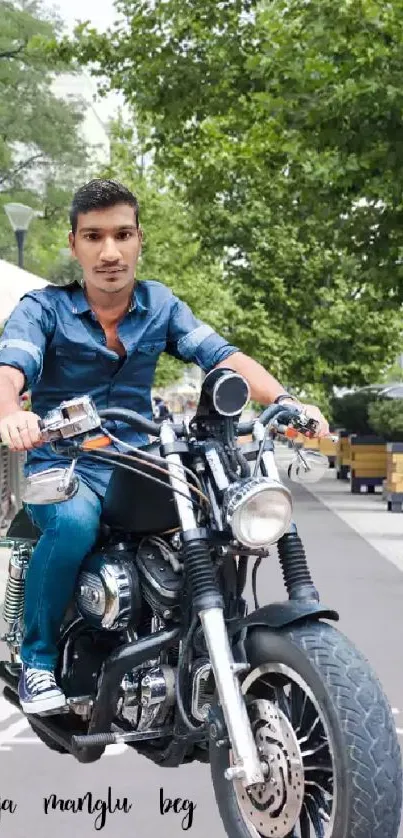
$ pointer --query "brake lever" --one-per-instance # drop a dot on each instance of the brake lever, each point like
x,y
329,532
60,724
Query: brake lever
x,y
299,424
72,418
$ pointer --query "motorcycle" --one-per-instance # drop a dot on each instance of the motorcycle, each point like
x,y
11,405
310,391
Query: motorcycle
x,y
158,649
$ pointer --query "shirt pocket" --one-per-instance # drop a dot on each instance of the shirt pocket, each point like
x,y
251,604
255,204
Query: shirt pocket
x,y
150,347
144,360
74,369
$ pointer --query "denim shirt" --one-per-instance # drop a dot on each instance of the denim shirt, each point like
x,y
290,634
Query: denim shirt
x,y
55,339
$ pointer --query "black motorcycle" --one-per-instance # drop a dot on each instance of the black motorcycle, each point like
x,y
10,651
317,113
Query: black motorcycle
x,y
158,649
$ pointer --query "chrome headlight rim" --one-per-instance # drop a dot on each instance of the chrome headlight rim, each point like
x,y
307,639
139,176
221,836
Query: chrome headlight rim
x,y
239,495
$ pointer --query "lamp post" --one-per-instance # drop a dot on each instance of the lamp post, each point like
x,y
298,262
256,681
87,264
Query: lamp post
x,y
20,217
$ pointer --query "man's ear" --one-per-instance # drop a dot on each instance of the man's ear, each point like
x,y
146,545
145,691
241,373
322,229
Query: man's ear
x,y
140,235
71,243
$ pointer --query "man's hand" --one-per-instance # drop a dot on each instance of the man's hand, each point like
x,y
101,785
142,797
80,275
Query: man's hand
x,y
20,431
314,413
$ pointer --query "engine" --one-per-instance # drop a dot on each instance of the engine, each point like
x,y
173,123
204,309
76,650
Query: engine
x,y
113,582
108,589
161,577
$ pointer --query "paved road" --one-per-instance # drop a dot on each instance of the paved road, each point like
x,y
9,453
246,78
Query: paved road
x,y
352,576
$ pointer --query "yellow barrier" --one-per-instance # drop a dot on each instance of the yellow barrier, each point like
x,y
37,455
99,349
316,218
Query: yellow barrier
x,y
343,456
368,462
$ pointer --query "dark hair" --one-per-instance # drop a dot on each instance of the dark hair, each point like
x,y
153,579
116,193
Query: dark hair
x,y
100,194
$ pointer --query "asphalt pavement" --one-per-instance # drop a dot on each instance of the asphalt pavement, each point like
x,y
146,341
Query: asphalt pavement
x,y
366,587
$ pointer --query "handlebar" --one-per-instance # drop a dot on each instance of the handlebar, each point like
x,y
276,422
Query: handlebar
x,y
142,424
136,420
148,426
271,412
80,416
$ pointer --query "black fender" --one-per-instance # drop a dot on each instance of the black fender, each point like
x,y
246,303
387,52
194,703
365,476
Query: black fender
x,y
277,615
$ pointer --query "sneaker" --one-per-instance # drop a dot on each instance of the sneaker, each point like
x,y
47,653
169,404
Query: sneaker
x,y
38,691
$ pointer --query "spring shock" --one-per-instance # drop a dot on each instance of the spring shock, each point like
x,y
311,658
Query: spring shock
x,y
296,574
13,607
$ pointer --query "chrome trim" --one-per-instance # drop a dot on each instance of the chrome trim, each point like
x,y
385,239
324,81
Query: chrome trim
x,y
247,766
178,480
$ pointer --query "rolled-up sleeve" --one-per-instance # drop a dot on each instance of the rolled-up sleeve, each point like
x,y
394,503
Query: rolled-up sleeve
x,y
192,340
23,341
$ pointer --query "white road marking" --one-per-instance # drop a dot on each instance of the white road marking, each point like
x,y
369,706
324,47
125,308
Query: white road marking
x,y
6,709
114,750
13,730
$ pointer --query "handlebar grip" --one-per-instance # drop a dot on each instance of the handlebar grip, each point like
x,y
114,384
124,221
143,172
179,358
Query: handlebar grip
x,y
270,412
131,417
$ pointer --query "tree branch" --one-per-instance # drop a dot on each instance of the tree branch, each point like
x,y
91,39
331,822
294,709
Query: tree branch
x,y
25,163
13,53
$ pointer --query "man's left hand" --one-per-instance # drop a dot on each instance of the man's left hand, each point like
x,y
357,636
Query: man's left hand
x,y
314,413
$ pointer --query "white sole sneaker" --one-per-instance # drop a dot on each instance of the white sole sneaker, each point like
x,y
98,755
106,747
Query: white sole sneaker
x,y
44,705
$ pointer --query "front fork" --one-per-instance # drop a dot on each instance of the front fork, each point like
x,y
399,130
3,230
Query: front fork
x,y
208,604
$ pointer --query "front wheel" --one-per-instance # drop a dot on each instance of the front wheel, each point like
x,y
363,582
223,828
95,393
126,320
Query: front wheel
x,y
325,729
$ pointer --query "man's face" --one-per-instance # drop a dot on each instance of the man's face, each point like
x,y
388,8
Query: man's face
x,y
107,245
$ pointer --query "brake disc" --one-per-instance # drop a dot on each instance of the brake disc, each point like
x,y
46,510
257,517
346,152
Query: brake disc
x,y
273,807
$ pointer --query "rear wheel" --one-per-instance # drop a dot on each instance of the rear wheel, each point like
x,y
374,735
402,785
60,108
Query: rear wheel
x,y
324,727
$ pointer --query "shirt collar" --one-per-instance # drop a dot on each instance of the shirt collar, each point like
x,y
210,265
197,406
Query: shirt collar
x,y
80,303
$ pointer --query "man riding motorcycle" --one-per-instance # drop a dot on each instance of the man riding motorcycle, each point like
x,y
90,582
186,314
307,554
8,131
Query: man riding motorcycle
x,y
103,339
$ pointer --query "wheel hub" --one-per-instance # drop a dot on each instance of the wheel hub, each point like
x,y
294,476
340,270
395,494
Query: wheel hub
x,y
273,807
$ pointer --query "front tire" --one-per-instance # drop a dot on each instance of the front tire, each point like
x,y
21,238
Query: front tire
x,y
364,797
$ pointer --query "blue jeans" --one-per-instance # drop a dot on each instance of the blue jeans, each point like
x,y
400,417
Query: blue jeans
x,y
69,531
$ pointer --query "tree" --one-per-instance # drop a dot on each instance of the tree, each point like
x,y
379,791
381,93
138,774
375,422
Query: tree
x,y
280,124
172,251
42,153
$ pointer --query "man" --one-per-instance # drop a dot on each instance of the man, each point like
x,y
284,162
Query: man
x,y
103,339
161,410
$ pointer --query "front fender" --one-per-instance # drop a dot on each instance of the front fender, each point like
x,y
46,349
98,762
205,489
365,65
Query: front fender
x,y
277,615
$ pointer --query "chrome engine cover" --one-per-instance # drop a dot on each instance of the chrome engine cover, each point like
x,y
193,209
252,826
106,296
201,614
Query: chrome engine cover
x,y
161,577
108,590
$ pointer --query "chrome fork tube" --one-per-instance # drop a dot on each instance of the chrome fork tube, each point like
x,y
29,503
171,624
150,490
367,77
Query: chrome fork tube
x,y
247,765
267,458
178,480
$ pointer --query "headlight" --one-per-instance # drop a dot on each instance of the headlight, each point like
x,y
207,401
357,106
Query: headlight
x,y
258,511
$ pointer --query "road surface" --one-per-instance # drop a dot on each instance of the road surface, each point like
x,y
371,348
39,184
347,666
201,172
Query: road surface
x,y
353,577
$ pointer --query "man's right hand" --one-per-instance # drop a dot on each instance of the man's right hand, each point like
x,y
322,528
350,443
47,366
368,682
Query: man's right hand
x,y
20,431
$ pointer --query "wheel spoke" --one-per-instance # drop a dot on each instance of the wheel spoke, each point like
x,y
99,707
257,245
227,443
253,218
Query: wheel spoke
x,y
313,811
310,732
315,750
325,769
304,824
298,706
283,702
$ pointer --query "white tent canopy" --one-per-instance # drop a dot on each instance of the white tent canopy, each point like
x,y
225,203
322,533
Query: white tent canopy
x,y
14,283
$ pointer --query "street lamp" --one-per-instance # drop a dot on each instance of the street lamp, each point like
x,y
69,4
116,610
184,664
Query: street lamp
x,y
20,217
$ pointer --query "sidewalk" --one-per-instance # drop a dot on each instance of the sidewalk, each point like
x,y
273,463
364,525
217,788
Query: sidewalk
x,y
366,514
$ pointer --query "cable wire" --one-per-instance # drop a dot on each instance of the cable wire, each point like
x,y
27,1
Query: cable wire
x,y
110,459
148,456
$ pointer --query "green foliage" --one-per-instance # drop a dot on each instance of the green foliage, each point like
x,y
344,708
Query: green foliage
x,y
38,130
280,125
386,419
351,412
42,154
172,253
